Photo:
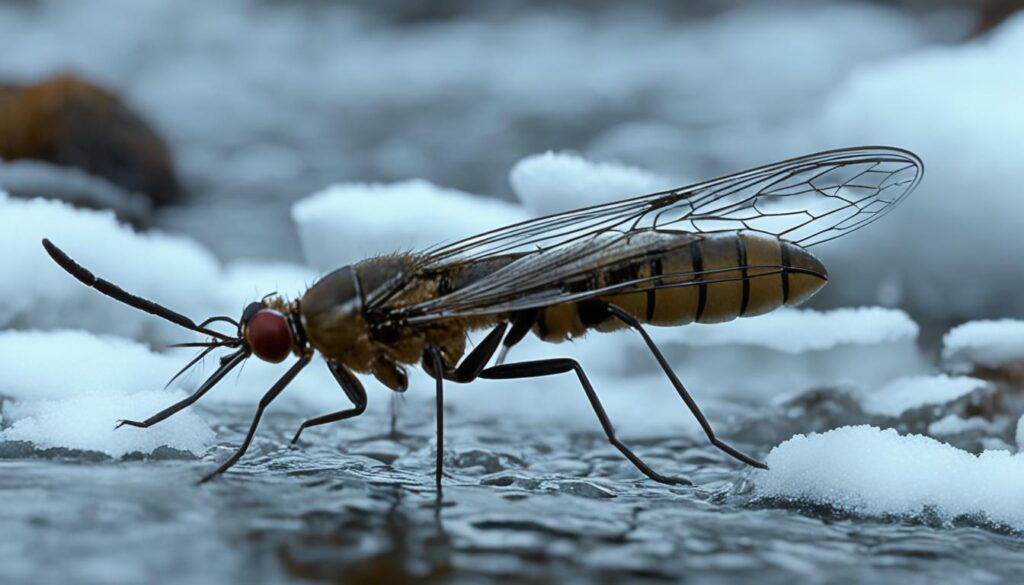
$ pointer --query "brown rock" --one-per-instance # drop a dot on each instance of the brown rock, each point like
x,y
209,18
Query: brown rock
x,y
70,122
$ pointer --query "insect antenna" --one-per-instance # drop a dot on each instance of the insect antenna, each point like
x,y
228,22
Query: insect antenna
x,y
117,293
223,318
194,361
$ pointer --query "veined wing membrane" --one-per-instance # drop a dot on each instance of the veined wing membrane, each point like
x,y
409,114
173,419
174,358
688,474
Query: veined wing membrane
x,y
806,200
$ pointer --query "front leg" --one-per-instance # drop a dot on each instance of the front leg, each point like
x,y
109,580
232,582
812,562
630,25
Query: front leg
x,y
271,394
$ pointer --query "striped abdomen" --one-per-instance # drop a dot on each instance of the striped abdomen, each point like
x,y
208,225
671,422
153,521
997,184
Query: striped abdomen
x,y
711,279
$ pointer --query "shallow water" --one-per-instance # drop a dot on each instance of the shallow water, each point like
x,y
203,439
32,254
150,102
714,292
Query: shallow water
x,y
522,504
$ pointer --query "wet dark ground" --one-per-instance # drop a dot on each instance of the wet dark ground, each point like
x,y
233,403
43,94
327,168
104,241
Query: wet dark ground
x,y
522,505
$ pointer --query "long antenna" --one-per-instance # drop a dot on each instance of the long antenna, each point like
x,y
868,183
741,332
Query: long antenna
x,y
117,293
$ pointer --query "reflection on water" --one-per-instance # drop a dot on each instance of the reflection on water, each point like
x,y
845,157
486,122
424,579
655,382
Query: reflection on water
x,y
522,505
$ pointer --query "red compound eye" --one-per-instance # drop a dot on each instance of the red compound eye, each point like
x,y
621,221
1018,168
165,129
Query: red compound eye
x,y
268,335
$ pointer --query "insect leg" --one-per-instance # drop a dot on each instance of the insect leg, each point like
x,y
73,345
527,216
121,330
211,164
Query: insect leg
x,y
550,367
353,390
227,363
438,365
521,324
473,363
271,394
477,359
690,402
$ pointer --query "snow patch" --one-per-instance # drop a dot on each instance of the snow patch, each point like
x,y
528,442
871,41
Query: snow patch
x,y
904,394
86,421
796,331
349,222
874,472
559,181
991,344
70,387
952,425
174,271
170,269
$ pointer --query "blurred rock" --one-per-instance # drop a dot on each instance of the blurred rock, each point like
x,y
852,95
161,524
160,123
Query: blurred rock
x,y
992,13
72,123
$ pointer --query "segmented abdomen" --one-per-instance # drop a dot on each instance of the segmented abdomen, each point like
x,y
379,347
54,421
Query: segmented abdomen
x,y
713,279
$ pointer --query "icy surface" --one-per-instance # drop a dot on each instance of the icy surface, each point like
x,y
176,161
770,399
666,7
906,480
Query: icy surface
x,y
903,394
558,181
346,223
873,472
990,344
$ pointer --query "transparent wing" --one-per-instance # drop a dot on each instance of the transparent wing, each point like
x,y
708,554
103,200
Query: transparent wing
x,y
806,200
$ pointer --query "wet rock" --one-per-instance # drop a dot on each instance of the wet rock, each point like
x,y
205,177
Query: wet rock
x,y
487,461
71,122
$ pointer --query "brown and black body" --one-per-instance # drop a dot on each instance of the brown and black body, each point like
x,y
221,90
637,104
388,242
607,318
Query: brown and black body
x,y
738,274
732,247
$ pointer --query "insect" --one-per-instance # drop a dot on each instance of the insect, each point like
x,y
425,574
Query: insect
x,y
736,246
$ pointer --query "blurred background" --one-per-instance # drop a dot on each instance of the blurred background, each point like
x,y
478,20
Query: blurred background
x,y
222,115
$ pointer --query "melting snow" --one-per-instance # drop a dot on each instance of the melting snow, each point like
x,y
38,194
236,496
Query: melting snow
x,y
874,472
904,394
991,344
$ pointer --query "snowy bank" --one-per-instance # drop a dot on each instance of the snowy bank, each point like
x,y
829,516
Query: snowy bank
x,y
348,222
990,344
867,471
69,388
791,350
903,394
171,270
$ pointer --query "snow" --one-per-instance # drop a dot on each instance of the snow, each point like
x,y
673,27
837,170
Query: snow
x,y
172,270
948,251
791,350
952,424
904,394
796,331
167,268
70,387
558,181
86,421
991,344
873,472
345,223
